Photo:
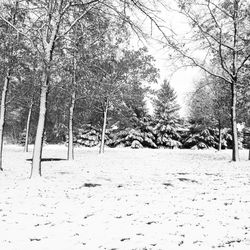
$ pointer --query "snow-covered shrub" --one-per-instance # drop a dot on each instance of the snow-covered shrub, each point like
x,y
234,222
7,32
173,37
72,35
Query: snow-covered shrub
x,y
246,138
136,144
88,136
167,135
201,138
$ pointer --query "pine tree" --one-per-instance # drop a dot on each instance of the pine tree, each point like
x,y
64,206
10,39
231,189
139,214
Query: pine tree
x,y
166,117
165,104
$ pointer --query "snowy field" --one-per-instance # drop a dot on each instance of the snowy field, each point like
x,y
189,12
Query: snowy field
x,y
125,199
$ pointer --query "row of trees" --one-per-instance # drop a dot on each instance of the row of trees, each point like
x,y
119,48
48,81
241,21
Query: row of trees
x,y
70,52
210,106
219,44
69,61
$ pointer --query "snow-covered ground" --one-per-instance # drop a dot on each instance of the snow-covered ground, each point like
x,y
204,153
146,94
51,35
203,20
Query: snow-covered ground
x,y
125,199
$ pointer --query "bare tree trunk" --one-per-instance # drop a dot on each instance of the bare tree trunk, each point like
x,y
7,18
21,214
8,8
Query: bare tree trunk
x,y
26,145
235,153
220,135
70,129
71,114
2,115
105,114
37,152
48,49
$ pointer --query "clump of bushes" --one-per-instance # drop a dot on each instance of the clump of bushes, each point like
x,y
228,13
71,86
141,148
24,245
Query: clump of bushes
x,y
205,138
145,134
167,136
200,138
157,135
88,136
246,138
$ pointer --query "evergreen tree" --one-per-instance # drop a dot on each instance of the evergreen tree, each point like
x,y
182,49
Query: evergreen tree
x,y
166,117
165,104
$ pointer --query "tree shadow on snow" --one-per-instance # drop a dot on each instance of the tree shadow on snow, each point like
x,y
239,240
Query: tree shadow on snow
x,y
49,159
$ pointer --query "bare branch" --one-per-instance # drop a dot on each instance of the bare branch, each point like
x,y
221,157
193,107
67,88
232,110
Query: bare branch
x,y
243,63
79,18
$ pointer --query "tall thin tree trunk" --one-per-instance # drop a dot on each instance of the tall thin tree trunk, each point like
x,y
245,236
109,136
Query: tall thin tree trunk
x,y
70,129
26,145
235,153
105,114
2,115
220,135
37,152
71,114
49,39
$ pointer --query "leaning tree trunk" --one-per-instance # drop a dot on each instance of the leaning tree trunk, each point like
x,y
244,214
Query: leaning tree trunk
x,y
70,129
105,114
37,152
26,145
2,115
220,135
235,153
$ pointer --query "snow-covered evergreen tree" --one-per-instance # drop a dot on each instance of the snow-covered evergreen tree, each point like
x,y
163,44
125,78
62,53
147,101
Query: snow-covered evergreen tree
x,y
165,105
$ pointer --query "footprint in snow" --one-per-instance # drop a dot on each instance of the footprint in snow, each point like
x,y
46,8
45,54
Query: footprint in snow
x,y
167,184
124,239
89,185
187,180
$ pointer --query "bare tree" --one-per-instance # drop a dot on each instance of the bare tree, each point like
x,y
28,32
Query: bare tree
x,y
218,43
9,51
2,114
47,23
210,105
26,145
45,26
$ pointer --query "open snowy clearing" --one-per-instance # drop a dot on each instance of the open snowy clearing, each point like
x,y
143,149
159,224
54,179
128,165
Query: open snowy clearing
x,y
125,199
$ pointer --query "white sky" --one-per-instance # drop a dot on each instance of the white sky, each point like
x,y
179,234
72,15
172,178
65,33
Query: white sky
x,y
182,80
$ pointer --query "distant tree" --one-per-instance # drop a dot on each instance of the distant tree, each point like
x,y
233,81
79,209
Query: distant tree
x,y
165,104
244,98
166,116
46,24
244,102
201,107
219,30
221,106
119,75
210,105
26,92
10,45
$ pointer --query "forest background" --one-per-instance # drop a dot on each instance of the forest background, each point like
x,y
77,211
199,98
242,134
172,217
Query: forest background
x,y
70,74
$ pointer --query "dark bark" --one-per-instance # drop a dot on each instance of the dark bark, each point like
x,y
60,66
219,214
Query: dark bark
x,y
105,114
26,145
2,115
235,153
70,129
